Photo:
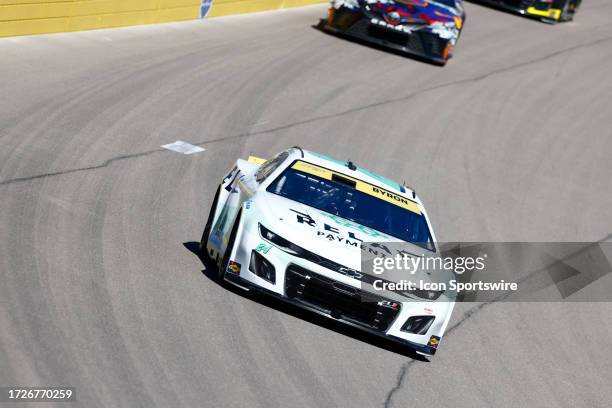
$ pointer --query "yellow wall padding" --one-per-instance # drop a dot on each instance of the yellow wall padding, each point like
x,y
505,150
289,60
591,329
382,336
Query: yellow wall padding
x,y
23,17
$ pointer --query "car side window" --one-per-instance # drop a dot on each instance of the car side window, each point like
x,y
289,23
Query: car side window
x,y
268,167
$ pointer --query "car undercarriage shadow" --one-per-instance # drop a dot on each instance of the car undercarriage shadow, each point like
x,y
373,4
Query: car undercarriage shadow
x,y
378,47
210,271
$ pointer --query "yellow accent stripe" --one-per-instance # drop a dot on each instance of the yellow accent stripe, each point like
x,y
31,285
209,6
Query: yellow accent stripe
x,y
362,186
314,170
555,14
256,160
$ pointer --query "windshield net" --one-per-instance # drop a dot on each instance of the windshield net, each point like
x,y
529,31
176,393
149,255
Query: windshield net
x,y
340,195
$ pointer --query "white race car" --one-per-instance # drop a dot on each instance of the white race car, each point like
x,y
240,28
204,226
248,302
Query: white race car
x,y
295,226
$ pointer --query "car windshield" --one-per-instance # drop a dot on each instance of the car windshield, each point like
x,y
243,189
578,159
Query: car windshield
x,y
339,196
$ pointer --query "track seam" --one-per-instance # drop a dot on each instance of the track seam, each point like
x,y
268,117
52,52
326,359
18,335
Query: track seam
x,y
401,376
317,118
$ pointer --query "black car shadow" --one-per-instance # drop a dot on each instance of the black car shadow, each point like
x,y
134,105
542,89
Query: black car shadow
x,y
374,46
210,271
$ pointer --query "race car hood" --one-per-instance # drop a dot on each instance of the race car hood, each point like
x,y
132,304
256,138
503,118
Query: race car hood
x,y
412,12
324,234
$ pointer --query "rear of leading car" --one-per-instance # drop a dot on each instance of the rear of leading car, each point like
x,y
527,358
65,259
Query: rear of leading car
x,y
421,43
546,10
300,239
426,29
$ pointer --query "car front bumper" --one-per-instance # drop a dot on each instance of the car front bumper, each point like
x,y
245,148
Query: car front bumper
x,y
310,286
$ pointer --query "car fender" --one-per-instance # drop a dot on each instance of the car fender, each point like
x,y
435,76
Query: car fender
x,y
236,187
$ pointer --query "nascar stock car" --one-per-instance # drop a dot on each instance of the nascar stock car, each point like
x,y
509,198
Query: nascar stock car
x,y
550,11
294,227
425,28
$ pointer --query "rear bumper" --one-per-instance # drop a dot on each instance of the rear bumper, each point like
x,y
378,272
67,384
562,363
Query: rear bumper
x,y
421,43
533,8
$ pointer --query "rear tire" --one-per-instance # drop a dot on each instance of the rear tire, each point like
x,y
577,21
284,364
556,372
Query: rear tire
x,y
211,215
228,249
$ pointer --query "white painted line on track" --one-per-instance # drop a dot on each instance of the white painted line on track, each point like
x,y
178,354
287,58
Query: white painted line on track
x,y
183,147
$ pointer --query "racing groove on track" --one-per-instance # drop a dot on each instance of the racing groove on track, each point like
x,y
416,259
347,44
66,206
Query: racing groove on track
x,y
511,141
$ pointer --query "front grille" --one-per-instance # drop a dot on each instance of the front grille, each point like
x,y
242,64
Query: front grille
x,y
340,300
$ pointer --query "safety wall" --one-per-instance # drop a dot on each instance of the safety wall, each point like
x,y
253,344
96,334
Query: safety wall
x,y
226,7
23,17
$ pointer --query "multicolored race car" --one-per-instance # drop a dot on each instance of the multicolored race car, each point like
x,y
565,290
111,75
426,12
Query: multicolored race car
x,y
296,227
550,11
424,28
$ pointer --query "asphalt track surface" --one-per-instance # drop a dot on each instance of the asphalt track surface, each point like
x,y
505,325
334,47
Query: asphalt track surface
x,y
510,142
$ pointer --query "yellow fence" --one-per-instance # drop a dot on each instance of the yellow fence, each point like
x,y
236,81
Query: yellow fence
x,y
22,17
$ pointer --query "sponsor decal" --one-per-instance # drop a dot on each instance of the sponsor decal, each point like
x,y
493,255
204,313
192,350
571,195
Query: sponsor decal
x,y
328,231
256,160
392,26
314,170
248,204
444,31
390,197
434,341
303,218
205,8
263,248
335,238
234,267
333,234
351,273
348,224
